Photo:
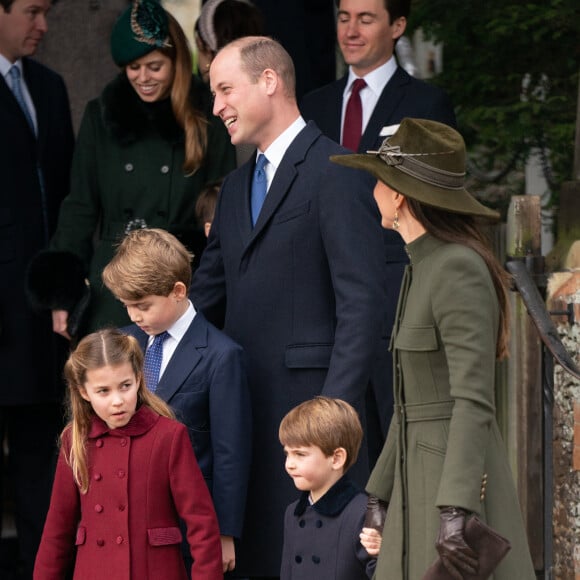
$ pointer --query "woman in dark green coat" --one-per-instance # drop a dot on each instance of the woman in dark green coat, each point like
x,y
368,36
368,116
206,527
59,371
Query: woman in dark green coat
x,y
144,151
444,459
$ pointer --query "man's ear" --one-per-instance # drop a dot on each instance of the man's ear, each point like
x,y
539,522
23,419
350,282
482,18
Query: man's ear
x,y
399,27
270,80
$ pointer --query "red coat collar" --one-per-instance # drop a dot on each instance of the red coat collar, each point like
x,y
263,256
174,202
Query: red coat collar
x,y
141,422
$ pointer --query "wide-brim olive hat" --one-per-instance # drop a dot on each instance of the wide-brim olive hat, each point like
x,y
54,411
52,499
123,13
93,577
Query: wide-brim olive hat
x,y
141,29
423,160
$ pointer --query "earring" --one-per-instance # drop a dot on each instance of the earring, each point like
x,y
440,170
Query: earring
x,y
207,66
396,220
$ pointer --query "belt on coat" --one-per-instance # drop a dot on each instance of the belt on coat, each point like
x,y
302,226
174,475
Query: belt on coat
x,y
413,412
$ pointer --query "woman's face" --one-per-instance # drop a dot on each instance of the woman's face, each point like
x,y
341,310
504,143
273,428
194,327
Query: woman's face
x,y
204,58
385,198
151,76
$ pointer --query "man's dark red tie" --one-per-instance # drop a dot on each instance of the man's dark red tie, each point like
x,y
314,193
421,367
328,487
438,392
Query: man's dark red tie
x,y
352,129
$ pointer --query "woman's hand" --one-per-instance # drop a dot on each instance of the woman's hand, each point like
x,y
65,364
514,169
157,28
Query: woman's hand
x,y
376,513
59,323
228,553
457,557
371,541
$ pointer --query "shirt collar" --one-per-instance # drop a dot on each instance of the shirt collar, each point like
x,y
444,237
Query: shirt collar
x,y
180,326
275,152
6,65
376,80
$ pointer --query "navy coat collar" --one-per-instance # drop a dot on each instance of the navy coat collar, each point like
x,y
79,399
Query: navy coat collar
x,y
332,502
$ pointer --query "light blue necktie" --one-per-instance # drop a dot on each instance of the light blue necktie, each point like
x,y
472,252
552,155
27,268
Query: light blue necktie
x,y
152,362
14,73
259,187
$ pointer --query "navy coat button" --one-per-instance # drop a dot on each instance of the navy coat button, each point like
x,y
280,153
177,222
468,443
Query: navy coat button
x,y
301,523
318,523
298,559
129,167
316,559
165,169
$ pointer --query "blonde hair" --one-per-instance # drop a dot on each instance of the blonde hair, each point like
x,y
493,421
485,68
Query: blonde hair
x,y
147,262
326,423
107,347
193,122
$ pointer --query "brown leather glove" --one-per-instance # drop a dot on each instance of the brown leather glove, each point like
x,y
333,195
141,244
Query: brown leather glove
x,y
376,513
457,557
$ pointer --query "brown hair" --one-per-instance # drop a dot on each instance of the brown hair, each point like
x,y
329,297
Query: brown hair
x,y
193,122
107,347
465,229
259,53
206,202
147,262
326,423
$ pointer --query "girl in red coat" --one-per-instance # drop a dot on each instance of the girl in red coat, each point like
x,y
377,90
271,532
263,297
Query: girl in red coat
x,y
125,476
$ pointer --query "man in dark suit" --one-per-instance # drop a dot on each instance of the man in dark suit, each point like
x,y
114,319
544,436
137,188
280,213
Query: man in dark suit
x,y
367,32
300,280
36,142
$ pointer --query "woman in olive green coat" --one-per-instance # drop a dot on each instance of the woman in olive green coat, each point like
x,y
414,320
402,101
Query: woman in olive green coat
x,y
444,459
144,151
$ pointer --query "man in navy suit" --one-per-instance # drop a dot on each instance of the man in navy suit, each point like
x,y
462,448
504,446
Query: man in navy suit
x,y
302,288
367,31
201,371
36,145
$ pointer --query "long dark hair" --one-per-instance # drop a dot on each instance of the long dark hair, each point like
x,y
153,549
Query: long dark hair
x,y
465,229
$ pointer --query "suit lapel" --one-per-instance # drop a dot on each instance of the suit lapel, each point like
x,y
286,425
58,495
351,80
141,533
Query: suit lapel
x,y
185,358
382,114
7,96
285,176
242,198
334,110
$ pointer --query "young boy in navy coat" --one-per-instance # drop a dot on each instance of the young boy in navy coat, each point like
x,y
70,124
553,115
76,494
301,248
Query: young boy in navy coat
x,y
202,373
322,530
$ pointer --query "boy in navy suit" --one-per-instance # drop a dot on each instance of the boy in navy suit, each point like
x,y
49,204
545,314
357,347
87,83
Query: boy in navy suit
x,y
324,528
202,371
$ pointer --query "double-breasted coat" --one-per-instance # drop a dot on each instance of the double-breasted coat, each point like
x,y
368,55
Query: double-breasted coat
x,y
321,540
303,293
444,447
143,478
128,173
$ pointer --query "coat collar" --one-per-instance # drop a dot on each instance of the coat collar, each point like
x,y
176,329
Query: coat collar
x,y
333,501
141,422
422,247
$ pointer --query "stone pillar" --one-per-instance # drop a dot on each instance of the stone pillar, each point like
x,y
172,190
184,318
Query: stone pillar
x,y
564,290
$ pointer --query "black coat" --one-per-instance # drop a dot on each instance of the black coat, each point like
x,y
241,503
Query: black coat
x,y
30,353
304,296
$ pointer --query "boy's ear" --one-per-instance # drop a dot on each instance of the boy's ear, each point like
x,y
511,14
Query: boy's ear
x,y
179,291
339,458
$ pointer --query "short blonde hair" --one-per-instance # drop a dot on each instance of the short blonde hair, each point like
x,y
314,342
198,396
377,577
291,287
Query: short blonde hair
x,y
147,262
326,423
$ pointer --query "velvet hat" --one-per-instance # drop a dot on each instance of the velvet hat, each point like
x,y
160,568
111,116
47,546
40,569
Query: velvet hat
x,y
423,160
141,29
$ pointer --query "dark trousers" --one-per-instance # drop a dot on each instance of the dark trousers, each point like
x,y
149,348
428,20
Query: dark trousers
x,y
30,433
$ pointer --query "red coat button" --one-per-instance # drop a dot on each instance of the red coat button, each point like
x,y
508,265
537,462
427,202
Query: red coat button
x,y
97,477
123,442
121,473
119,540
121,508
99,443
100,542
98,508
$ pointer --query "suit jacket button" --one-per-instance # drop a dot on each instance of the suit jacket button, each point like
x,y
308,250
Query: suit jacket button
x,y
165,169
129,167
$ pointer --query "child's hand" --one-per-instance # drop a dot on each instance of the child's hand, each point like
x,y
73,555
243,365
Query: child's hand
x,y
371,541
228,553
